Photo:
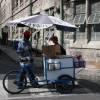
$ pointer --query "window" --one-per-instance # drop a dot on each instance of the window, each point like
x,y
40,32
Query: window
x,y
47,11
16,3
80,13
13,4
38,35
79,20
50,11
95,34
80,34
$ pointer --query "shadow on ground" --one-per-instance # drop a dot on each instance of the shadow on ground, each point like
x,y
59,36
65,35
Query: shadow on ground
x,y
93,86
6,63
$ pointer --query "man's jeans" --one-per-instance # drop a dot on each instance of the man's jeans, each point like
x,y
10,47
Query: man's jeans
x,y
26,69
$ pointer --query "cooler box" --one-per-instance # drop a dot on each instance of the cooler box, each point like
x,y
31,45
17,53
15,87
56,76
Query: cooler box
x,y
59,66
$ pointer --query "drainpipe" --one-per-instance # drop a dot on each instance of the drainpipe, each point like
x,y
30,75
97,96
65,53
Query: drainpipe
x,y
31,4
72,5
87,26
62,17
11,29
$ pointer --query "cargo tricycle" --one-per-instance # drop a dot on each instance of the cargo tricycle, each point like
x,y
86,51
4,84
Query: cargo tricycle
x,y
59,70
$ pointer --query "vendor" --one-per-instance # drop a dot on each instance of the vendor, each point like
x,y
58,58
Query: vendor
x,y
54,39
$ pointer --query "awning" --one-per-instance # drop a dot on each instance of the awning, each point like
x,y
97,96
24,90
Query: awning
x,y
94,18
79,19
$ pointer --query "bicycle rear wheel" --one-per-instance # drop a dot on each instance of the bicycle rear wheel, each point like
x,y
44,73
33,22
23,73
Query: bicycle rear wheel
x,y
66,86
10,82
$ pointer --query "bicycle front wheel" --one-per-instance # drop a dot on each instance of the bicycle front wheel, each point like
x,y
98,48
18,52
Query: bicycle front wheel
x,y
10,82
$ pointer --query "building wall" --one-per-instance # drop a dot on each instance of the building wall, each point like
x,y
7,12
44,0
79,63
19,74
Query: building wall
x,y
87,38
18,9
41,5
13,9
5,10
5,14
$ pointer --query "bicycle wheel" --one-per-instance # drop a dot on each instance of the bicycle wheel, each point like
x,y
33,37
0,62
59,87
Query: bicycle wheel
x,y
66,87
10,82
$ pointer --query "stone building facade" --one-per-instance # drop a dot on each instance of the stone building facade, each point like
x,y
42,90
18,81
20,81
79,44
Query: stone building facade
x,y
86,40
10,10
85,14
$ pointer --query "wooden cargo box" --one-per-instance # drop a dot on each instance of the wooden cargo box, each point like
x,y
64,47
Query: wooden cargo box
x,y
51,50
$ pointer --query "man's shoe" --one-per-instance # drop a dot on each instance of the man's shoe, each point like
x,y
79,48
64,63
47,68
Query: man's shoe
x,y
20,87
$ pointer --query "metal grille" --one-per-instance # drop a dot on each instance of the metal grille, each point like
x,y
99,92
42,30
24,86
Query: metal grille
x,y
95,34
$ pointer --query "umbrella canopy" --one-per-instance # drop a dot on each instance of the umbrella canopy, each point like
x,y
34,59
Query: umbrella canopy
x,y
15,22
44,21
18,22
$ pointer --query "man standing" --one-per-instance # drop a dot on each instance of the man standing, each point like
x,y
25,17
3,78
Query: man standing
x,y
26,59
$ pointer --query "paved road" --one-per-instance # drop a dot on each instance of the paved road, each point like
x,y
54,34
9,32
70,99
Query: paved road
x,y
64,97
7,64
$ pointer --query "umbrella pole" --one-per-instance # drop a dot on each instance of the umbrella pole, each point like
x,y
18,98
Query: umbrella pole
x,y
43,36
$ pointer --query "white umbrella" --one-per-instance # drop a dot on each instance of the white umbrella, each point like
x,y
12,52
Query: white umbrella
x,y
44,21
15,22
18,22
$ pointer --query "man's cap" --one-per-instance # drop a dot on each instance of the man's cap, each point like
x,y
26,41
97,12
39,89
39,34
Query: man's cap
x,y
27,34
